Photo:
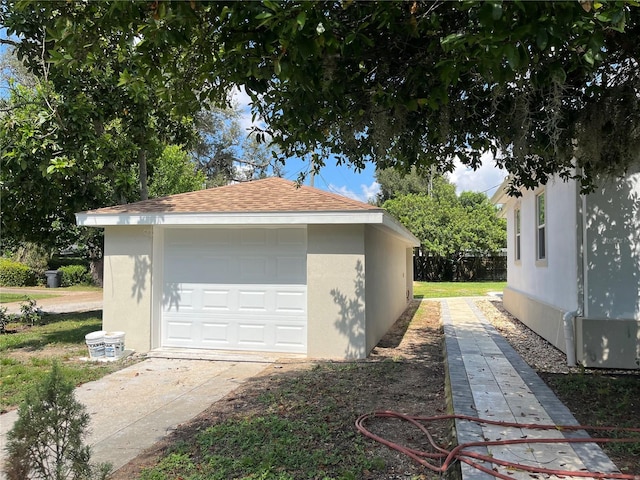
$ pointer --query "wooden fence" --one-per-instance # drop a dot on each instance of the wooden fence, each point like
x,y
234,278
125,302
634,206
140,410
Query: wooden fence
x,y
468,268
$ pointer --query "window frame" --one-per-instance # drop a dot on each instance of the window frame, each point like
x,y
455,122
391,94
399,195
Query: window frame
x,y
517,228
541,243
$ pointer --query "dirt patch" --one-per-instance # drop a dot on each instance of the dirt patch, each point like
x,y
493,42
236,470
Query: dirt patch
x,y
405,372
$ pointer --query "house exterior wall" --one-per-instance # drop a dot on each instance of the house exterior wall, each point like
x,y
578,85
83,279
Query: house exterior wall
x,y
128,256
593,264
539,292
386,276
336,291
609,334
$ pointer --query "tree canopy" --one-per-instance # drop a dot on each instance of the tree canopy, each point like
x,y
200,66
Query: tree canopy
x,y
446,224
548,87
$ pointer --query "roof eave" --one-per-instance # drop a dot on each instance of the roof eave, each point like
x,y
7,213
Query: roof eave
x,y
89,219
374,217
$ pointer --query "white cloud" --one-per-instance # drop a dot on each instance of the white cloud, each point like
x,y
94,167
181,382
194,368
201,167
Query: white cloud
x,y
367,192
241,100
486,179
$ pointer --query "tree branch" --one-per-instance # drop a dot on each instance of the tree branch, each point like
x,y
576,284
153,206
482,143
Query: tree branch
x,y
6,41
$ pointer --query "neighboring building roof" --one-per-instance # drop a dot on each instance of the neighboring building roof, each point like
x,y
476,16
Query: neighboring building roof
x,y
273,201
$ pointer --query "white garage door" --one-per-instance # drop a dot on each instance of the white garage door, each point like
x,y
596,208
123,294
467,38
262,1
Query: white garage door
x,y
235,289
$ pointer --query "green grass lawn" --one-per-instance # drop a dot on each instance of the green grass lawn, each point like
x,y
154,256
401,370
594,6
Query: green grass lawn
x,y
27,354
6,297
455,289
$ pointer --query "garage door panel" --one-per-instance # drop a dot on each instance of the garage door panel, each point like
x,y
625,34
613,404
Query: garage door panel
x,y
240,289
179,331
290,302
177,298
254,237
291,336
216,332
253,301
252,269
217,300
251,334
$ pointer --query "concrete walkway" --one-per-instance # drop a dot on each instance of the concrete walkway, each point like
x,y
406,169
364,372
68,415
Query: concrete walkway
x,y
133,408
490,380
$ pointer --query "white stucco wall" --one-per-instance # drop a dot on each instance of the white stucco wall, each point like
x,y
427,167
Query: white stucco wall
x,y
127,284
553,282
607,223
386,280
336,291
612,234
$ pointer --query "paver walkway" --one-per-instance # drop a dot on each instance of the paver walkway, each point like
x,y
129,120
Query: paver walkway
x,y
490,380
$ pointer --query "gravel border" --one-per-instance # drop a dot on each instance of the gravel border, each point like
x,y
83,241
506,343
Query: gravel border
x,y
539,354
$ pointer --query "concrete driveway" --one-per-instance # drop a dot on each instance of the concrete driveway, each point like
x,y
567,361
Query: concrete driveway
x,y
133,408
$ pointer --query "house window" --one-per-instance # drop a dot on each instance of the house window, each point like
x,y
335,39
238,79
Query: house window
x,y
517,228
541,239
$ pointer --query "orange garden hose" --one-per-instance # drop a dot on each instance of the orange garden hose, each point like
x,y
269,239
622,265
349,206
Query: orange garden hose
x,y
463,454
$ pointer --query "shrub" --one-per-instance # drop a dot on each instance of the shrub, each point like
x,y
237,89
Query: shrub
x,y
30,313
34,256
74,275
5,318
15,274
46,441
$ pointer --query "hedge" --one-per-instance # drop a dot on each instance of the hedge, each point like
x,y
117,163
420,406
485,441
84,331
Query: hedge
x,y
74,275
15,274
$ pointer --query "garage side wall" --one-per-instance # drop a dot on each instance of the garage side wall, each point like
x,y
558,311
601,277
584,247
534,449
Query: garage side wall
x,y
127,284
386,278
336,292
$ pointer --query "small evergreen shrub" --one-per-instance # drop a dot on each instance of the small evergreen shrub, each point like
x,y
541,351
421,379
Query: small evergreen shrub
x,y
74,275
15,274
46,442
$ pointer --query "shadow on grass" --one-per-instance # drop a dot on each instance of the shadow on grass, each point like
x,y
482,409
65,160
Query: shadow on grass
x,y
54,330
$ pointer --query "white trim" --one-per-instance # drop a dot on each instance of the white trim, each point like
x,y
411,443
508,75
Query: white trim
x,y
157,280
378,217
541,192
254,218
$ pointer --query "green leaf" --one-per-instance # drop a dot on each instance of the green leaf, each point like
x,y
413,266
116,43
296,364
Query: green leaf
x,y
542,38
496,12
452,40
513,57
589,57
301,19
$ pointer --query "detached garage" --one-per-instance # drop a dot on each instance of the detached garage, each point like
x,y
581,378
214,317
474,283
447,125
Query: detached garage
x,y
263,266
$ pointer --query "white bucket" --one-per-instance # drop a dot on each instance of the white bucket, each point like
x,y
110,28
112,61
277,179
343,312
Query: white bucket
x,y
95,343
113,344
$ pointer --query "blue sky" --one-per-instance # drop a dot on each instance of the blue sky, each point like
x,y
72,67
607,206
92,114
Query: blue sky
x,y
363,186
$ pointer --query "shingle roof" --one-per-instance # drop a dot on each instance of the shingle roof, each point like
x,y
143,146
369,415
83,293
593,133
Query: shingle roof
x,y
266,195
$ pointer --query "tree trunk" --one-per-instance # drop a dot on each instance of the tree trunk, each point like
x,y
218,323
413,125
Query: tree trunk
x,y
142,169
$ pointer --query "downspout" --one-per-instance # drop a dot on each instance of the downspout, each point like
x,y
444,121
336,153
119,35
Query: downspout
x,y
569,336
568,318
